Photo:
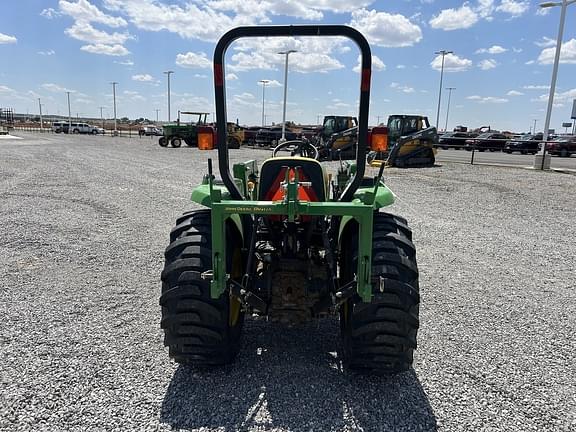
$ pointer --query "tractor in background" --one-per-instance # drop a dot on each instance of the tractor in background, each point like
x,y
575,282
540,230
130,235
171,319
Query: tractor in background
x,y
175,133
411,143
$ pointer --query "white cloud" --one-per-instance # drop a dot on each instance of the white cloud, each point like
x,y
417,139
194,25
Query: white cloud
x,y
50,13
485,8
567,54
487,64
400,66
125,62
5,89
536,87
545,42
402,88
559,98
55,88
142,77
452,63
231,77
190,21
83,31
514,8
83,10
193,60
514,93
494,49
487,99
272,83
47,53
313,54
455,19
7,39
385,29
377,64
111,50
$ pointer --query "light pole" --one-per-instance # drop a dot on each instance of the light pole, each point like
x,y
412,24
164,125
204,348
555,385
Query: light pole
x,y
41,122
69,113
168,73
448,109
443,53
114,98
157,111
534,131
264,82
286,53
563,4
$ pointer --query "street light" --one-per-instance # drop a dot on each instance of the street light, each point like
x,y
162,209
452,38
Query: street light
x,y
69,114
264,82
443,53
448,109
168,73
114,97
564,4
286,53
157,111
534,131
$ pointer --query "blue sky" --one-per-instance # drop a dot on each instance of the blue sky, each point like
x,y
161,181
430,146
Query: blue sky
x,y
501,66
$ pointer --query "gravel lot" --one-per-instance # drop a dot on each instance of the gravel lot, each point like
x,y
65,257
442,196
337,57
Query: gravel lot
x,y
83,225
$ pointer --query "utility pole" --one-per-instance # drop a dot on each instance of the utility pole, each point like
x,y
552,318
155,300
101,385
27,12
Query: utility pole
x,y
157,110
534,131
443,53
69,114
168,73
448,109
264,82
41,122
114,83
286,53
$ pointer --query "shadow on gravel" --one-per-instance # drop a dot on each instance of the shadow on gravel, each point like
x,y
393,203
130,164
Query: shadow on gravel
x,y
291,379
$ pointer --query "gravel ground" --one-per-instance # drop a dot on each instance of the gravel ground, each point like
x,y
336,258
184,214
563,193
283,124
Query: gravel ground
x,y
83,225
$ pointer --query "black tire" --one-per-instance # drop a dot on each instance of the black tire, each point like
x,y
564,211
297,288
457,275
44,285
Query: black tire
x,y
163,142
175,142
564,153
233,143
75,131
190,142
199,330
380,336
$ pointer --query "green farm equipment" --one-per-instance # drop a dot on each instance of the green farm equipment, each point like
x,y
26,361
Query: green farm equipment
x,y
175,133
287,241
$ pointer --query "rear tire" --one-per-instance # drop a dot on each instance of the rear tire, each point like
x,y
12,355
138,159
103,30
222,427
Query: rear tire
x,y
381,335
163,142
176,142
198,329
564,153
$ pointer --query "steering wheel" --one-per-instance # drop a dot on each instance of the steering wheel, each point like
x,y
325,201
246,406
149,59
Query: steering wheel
x,y
297,147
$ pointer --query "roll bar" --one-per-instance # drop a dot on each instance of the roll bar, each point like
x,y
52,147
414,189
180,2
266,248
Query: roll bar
x,y
287,31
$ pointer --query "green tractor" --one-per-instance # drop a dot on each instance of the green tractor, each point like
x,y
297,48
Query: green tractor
x,y
286,241
175,133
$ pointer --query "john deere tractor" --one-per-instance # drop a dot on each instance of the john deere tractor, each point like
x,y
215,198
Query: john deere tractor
x,y
287,241
175,133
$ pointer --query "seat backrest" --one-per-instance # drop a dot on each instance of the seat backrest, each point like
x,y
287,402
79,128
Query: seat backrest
x,y
273,173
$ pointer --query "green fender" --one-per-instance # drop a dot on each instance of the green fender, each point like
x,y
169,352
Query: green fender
x,y
384,198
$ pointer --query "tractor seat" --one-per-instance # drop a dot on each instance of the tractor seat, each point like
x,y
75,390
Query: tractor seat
x,y
273,173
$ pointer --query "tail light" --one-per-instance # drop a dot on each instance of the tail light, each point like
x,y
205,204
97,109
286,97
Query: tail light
x,y
205,138
379,139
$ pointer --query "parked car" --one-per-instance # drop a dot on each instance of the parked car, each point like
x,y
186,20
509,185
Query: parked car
x,y
562,146
270,136
58,127
493,141
455,140
150,131
525,144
